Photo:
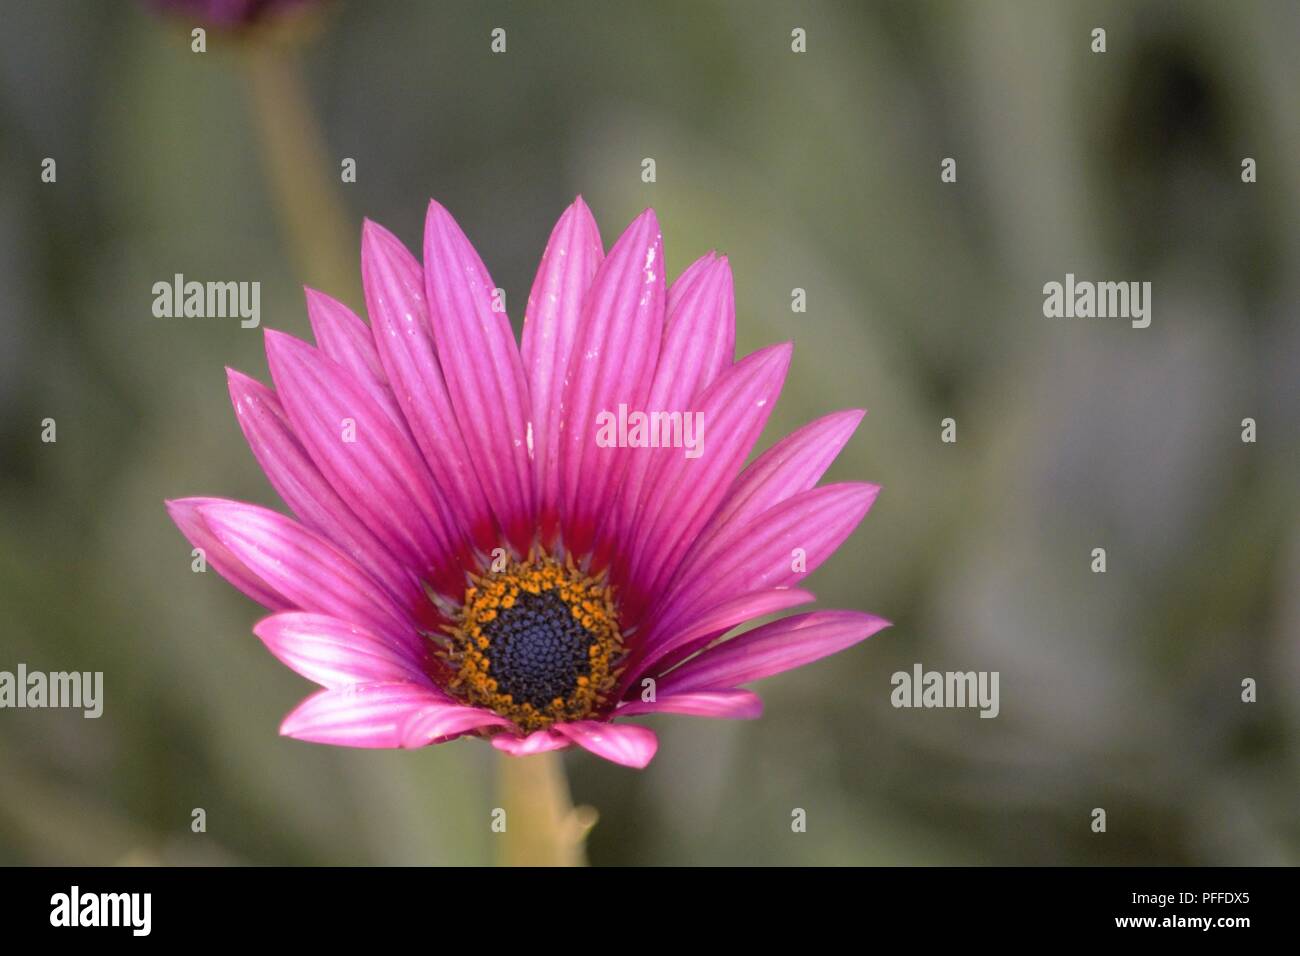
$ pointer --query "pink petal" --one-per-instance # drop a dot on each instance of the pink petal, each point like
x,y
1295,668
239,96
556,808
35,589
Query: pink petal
x,y
307,569
539,741
395,298
690,275
185,512
771,649
684,492
304,489
485,375
435,724
698,344
380,475
759,554
335,653
659,644
626,744
718,704
700,335
343,336
360,715
613,362
794,464
551,322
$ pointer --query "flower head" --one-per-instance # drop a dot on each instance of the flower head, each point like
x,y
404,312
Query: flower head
x,y
530,543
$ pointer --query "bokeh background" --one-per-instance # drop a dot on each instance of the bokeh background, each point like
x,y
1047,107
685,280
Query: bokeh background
x,y
817,170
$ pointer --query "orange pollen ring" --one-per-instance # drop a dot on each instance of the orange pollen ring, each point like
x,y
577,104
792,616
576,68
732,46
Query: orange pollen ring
x,y
537,642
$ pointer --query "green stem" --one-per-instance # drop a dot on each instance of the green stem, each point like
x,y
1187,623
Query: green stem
x,y
543,828
299,168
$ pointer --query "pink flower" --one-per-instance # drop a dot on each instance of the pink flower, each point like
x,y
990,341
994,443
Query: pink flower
x,y
473,555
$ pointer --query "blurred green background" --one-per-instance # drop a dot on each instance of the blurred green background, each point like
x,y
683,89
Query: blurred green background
x,y
817,170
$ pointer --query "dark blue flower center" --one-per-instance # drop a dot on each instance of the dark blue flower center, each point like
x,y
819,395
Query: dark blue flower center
x,y
538,649
536,641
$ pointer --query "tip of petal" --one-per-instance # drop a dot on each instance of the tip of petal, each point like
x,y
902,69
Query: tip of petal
x,y
317,301
645,225
438,213
649,217
184,513
777,354
863,493
630,745
373,234
288,726
180,508
640,246
579,208
719,269
279,344
872,622
276,344
237,379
